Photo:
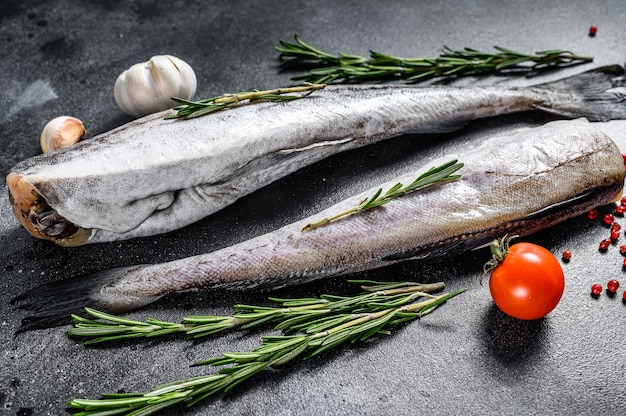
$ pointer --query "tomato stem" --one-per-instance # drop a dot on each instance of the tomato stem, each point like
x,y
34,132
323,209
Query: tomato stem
x,y
499,250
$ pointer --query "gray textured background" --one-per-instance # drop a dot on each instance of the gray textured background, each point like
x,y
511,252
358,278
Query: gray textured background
x,y
62,57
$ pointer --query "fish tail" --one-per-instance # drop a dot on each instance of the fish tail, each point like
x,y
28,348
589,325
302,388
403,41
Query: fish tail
x,y
598,95
52,304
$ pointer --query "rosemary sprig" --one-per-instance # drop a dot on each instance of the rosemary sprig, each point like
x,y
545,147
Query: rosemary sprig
x,y
291,314
347,67
442,173
381,306
192,109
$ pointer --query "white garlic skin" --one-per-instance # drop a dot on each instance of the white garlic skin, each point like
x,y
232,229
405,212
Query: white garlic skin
x,y
148,87
62,131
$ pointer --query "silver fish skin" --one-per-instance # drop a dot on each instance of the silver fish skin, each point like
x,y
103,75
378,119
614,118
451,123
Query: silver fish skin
x,y
516,184
153,175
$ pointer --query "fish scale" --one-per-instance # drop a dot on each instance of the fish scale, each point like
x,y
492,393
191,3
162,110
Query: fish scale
x,y
155,175
513,183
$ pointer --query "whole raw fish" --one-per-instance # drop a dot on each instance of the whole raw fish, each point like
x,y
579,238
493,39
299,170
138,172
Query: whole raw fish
x,y
154,175
516,184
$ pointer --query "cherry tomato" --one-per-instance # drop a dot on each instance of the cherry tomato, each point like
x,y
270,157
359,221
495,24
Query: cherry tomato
x,y
527,282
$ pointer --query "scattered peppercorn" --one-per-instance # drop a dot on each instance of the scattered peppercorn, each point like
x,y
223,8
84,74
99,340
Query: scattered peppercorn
x,y
604,244
614,233
593,30
612,286
567,255
608,220
596,289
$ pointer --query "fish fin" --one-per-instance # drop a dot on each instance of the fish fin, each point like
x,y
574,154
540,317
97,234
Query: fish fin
x,y
526,225
461,243
598,95
444,249
53,303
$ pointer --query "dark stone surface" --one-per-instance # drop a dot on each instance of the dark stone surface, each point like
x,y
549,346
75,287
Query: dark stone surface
x,y
63,57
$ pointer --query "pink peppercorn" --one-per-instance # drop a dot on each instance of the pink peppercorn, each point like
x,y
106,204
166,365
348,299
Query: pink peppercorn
x,y
596,289
604,244
614,234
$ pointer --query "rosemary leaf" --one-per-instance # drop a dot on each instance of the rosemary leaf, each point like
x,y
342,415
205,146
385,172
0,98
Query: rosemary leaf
x,y
438,174
192,109
329,68
343,319
298,302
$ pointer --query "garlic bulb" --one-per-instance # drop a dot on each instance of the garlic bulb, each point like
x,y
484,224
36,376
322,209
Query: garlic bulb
x,y
148,87
61,132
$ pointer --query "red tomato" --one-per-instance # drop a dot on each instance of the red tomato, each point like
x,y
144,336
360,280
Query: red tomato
x,y
528,283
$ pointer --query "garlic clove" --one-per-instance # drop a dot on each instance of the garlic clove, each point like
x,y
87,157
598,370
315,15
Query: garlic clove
x,y
137,91
61,132
166,76
148,87
189,81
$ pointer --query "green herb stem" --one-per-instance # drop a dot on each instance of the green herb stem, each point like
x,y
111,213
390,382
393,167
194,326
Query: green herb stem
x,y
290,315
371,315
442,173
347,67
192,109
